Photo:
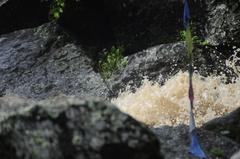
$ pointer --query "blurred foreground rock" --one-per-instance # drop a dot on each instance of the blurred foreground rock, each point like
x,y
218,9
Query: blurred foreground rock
x,y
236,156
69,128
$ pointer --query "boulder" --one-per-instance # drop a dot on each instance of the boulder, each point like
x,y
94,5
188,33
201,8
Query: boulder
x,y
20,14
134,24
141,24
160,62
42,62
66,127
228,125
175,142
155,63
223,20
236,156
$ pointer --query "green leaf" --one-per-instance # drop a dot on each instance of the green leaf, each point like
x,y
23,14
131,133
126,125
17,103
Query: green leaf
x,y
56,15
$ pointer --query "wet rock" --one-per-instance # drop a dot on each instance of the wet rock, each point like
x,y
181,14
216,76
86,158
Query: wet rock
x,y
175,142
223,20
236,156
43,62
228,125
67,127
155,63
160,62
20,14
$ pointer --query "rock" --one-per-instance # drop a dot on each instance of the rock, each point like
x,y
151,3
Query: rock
x,y
67,127
223,20
236,156
134,24
20,14
155,63
160,62
228,125
141,24
42,62
175,142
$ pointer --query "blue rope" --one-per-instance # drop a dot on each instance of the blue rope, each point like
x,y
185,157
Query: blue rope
x,y
194,147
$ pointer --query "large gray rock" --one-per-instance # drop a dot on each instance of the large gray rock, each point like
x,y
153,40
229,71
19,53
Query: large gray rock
x,y
155,63
69,128
228,125
43,62
175,143
160,62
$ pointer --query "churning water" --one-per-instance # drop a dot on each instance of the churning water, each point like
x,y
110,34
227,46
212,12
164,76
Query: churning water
x,y
168,104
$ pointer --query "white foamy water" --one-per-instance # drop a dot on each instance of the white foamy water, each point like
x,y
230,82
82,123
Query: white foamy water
x,y
168,104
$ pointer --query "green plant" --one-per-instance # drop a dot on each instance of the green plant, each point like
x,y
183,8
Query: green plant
x,y
56,9
215,151
195,39
112,61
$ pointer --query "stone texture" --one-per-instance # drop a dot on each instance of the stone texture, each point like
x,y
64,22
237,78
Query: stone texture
x,y
160,62
42,62
223,20
175,142
228,125
67,127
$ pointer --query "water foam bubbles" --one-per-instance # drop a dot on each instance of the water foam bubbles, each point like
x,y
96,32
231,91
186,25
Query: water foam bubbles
x,y
168,104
